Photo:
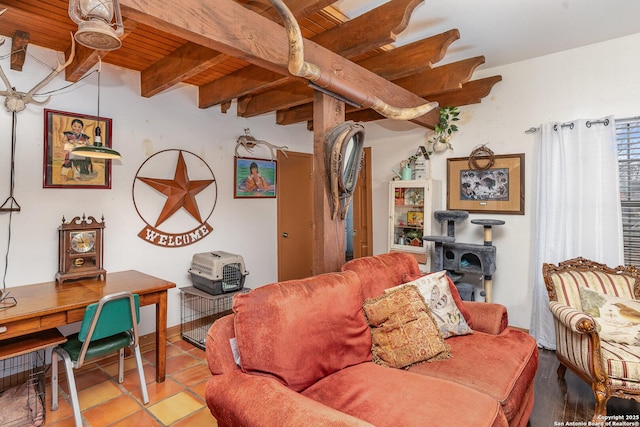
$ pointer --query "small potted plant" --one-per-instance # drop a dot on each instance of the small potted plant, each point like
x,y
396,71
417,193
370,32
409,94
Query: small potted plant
x,y
441,139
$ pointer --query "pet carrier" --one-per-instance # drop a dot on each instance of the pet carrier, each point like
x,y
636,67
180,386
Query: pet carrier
x,y
217,272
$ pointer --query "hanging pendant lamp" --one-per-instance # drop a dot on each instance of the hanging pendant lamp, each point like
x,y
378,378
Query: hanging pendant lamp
x,y
96,29
97,150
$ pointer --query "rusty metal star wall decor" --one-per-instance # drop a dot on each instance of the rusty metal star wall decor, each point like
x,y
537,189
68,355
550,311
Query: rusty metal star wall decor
x,y
180,193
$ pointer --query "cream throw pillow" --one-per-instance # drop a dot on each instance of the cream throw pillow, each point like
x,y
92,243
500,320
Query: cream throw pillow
x,y
618,319
437,295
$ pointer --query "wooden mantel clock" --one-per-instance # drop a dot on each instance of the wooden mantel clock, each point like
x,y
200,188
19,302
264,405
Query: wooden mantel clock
x,y
80,246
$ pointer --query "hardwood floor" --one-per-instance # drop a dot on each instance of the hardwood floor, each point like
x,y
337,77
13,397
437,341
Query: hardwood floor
x,y
556,404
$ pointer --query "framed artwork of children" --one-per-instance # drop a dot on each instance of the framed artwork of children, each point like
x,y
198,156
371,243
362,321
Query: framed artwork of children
x,y
254,178
61,167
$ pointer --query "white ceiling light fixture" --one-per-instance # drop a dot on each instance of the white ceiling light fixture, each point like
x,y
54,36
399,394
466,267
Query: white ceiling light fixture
x,y
96,29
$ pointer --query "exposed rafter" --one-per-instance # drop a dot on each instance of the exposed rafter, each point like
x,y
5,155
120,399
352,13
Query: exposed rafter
x,y
260,42
440,79
234,50
393,19
192,59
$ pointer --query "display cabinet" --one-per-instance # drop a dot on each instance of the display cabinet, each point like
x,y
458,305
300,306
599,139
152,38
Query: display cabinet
x,y
411,207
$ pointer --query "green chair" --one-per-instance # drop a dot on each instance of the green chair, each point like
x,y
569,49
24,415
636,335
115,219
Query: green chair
x,y
107,327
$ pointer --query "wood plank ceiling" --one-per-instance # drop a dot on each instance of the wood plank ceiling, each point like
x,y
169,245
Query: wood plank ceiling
x,y
165,60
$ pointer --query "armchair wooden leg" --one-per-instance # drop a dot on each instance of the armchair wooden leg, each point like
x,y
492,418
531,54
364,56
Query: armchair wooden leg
x,y
600,413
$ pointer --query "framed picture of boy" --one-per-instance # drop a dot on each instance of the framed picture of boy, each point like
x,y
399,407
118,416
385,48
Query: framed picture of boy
x,y
61,167
254,178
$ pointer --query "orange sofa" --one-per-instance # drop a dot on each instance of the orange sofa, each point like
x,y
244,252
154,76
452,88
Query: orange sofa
x,y
298,353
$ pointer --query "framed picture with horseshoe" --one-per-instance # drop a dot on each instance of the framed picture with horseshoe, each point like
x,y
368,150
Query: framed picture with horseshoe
x,y
498,189
61,167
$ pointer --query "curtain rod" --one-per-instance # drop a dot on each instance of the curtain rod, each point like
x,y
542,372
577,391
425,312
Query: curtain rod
x,y
570,125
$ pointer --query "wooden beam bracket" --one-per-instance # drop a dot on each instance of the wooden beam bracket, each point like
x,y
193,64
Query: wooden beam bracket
x,y
19,44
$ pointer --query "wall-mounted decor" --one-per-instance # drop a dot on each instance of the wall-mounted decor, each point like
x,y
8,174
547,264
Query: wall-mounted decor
x,y
188,188
254,178
499,189
63,169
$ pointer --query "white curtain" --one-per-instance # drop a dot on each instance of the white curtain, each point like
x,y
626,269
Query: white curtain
x,y
577,206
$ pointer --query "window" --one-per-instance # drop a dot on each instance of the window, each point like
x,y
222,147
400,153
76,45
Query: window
x,y
628,136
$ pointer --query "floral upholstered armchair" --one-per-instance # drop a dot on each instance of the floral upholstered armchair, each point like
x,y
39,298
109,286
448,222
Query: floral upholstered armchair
x,y
596,313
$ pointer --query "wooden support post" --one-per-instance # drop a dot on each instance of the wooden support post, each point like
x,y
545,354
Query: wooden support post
x,y
19,43
329,237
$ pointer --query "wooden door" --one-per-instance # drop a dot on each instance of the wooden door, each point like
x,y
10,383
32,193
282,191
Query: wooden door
x,y
361,204
295,216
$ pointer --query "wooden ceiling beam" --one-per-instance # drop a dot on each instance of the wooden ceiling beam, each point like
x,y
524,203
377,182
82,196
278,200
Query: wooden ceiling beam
x,y
242,82
430,80
393,18
441,79
471,93
392,64
192,59
411,58
300,8
370,30
186,61
304,113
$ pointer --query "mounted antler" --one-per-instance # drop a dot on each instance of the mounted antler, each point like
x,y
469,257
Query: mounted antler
x,y
17,101
248,142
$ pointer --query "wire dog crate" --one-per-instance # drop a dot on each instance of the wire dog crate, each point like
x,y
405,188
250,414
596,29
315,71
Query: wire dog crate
x,y
199,310
22,393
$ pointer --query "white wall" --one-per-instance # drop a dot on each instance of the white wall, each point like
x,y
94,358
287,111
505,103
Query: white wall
x,y
589,82
141,127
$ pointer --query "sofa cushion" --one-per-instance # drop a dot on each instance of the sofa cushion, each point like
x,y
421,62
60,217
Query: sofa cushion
x,y
302,330
453,290
502,366
435,290
394,397
383,271
622,363
568,283
618,319
403,330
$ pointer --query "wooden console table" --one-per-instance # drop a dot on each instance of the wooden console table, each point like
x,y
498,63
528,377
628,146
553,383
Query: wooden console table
x,y
49,305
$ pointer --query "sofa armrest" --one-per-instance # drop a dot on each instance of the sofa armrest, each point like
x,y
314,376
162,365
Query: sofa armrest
x,y
572,318
487,317
218,348
578,342
239,399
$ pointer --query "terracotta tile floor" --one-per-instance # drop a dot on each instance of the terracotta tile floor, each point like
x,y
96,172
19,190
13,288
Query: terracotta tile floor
x,y
177,402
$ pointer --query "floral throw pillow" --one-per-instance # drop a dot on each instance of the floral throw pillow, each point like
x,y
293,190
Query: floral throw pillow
x,y
403,332
618,319
437,294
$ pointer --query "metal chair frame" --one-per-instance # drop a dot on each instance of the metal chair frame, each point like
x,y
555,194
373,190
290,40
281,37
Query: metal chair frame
x,y
70,364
